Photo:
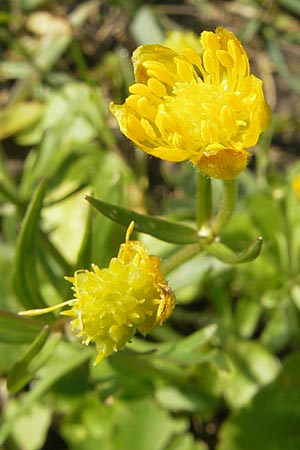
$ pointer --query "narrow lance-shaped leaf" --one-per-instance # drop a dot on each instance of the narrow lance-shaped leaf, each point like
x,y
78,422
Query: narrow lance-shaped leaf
x,y
17,330
155,226
226,255
23,371
25,278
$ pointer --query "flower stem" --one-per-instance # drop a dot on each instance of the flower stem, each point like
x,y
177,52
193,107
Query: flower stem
x,y
180,257
227,206
204,201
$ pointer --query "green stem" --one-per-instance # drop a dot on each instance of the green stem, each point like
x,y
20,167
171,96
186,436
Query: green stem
x,y
288,233
227,206
183,255
204,201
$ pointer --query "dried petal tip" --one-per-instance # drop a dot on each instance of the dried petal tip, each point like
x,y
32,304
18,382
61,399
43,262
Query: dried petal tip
x,y
201,105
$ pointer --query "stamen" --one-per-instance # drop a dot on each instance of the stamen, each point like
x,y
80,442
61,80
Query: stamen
x,y
146,110
158,70
225,59
157,87
184,70
139,89
148,129
135,128
38,312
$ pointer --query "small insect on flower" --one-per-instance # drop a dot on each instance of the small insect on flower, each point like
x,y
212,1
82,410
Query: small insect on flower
x,y
111,304
199,105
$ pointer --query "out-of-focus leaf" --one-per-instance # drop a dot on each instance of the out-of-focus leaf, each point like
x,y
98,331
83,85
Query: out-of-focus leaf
x,y
226,255
14,69
147,424
186,442
145,27
188,350
155,226
65,222
251,366
18,117
30,431
278,330
271,420
261,208
247,315
291,5
176,400
25,277
116,184
21,373
62,358
15,329
279,60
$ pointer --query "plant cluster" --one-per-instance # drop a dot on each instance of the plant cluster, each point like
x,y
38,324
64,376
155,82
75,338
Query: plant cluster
x,y
190,318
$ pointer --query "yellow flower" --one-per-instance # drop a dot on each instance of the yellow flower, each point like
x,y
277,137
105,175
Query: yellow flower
x,y
296,186
208,109
111,304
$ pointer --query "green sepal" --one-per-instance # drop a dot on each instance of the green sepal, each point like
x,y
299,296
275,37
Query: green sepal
x,y
15,329
25,279
226,255
24,370
155,226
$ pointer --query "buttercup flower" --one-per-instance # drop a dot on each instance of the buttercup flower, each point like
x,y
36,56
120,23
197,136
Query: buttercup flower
x,y
111,304
208,109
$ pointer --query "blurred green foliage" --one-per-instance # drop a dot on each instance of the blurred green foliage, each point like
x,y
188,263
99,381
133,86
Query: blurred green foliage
x,y
223,372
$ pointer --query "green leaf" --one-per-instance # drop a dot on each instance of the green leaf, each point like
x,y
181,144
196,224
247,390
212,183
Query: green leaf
x,y
62,358
145,27
155,226
175,399
15,329
279,59
188,350
226,255
251,366
25,277
22,372
18,117
146,424
30,431
291,5
271,421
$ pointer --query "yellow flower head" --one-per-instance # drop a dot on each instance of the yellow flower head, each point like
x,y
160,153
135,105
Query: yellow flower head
x,y
208,109
111,304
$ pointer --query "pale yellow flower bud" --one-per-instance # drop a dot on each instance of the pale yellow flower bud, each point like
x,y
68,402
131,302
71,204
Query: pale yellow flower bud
x,y
111,304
